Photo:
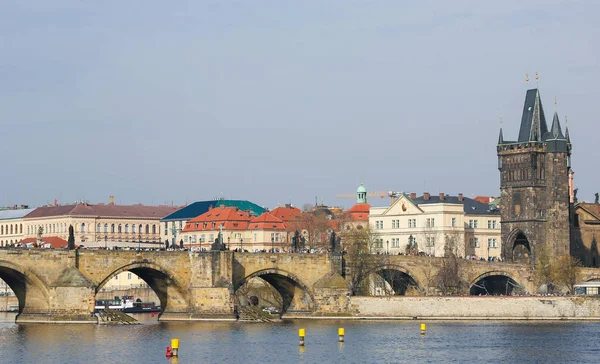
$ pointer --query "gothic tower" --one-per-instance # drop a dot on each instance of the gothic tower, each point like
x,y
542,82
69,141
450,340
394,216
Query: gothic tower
x,y
534,186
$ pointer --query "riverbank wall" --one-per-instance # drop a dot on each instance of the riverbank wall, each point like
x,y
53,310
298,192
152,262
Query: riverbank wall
x,y
476,308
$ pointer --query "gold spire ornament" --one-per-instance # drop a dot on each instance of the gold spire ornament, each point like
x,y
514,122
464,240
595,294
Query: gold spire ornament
x,y
527,78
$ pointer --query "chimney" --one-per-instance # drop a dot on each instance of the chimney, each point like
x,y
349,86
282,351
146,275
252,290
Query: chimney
x,y
111,200
426,196
413,196
460,197
222,206
571,187
441,197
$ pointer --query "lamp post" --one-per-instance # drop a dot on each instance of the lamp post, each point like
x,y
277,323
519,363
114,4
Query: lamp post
x,y
272,244
241,246
388,246
105,237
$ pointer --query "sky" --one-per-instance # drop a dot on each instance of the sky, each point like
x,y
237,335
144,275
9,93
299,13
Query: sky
x,y
283,101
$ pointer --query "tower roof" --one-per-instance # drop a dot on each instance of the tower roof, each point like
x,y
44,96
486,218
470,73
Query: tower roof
x,y
555,130
533,122
500,137
361,189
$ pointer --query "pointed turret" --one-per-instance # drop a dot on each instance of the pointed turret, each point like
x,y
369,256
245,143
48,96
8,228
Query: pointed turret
x,y
533,122
500,138
567,134
555,130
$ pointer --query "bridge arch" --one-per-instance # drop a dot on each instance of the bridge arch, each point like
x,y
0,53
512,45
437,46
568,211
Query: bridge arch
x,y
30,290
494,283
163,282
296,295
398,280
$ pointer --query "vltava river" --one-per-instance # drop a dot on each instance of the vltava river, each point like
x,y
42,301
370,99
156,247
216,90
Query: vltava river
x,y
366,342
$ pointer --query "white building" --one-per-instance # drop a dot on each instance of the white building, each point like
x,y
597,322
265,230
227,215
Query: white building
x,y
436,223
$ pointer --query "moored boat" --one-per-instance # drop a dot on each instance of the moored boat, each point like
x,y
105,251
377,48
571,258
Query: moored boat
x,y
127,304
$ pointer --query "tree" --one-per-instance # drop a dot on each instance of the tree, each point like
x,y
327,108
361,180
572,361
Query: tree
x,y
543,269
565,271
448,278
412,248
358,246
71,240
40,232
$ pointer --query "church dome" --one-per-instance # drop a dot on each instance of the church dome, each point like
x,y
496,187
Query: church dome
x,y
361,189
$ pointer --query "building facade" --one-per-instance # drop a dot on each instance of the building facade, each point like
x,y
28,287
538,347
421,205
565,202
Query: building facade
x,y
11,225
437,225
585,233
534,186
173,224
98,225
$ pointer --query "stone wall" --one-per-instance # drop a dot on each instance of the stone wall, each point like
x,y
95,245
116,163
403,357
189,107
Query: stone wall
x,y
496,308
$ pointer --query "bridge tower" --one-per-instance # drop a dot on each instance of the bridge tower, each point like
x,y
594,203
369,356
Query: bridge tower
x,y
534,186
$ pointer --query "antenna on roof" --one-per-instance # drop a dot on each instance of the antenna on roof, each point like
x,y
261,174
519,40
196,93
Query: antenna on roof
x,y
537,79
527,78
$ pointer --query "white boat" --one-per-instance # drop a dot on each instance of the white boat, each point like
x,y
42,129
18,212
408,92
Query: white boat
x,y
127,305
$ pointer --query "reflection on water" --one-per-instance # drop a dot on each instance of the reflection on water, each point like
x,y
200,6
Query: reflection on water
x,y
366,342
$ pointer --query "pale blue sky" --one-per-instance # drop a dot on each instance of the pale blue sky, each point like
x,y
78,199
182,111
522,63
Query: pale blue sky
x,y
154,101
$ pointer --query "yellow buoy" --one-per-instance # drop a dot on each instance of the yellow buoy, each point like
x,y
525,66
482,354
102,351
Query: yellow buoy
x,y
423,328
301,334
341,334
175,346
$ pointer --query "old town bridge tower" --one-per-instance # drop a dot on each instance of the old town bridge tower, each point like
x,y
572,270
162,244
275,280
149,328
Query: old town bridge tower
x,y
534,186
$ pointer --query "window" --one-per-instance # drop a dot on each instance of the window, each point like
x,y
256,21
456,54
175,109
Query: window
x,y
214,224
105,228
166,228
492,243
475,242
378,243
133,228
128,275
120,228
127,228
454,222
378,224
430,222
147,229
112,228
492,224
412,240
473,224
83,228
153,229
430,241
412,223
395,242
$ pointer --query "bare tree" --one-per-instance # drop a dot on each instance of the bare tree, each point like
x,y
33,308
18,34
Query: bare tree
x,y
449,277
358,245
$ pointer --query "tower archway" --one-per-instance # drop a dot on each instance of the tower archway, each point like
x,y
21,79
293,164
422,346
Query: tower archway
x,y
521,249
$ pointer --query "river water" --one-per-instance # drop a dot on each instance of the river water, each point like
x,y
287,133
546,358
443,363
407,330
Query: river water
x,y
366,342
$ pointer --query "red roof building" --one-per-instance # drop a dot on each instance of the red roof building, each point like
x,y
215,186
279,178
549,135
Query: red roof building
x,y
240,230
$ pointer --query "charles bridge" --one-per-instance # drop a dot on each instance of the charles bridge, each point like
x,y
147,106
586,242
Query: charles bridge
x,y
57,286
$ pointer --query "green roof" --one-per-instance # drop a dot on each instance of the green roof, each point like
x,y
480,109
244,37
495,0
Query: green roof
x,y
242,205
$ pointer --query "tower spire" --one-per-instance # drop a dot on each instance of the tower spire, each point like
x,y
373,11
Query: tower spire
x,y
500,137
567,130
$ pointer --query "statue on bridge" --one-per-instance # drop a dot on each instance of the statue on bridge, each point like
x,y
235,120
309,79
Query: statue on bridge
x,y
71,241
218,244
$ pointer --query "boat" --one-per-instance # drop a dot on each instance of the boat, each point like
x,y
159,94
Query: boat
x,y
127,304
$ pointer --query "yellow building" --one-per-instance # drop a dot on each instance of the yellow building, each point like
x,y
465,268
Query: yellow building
x,y
435,224
11,225
97,225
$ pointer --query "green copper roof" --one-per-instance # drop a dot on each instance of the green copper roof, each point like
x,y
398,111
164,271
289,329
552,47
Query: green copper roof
x,y
361,189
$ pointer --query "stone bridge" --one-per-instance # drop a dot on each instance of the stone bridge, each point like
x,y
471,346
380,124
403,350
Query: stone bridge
x,y
55,285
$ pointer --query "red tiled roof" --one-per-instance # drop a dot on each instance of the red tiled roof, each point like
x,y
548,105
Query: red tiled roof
x,y
286,213
360,212
54,241
230,217
134,211
267,221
